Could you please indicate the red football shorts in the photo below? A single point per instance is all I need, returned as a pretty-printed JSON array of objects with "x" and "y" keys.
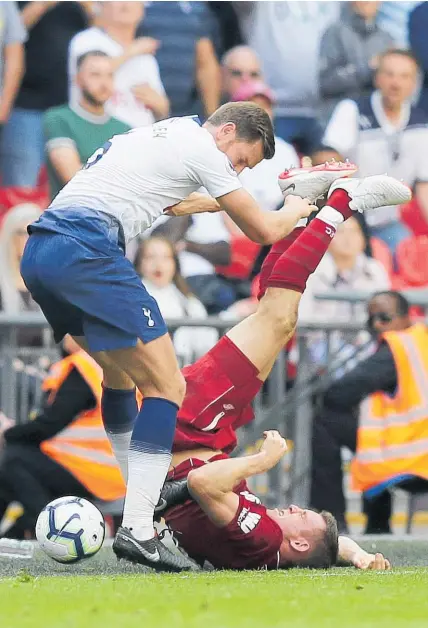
[{"x": 220, "y": 389}]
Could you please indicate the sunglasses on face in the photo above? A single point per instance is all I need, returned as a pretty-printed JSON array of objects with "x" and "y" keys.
[
  {"x": 382, "y": 317},
  {"x": 240, "y": 73}
]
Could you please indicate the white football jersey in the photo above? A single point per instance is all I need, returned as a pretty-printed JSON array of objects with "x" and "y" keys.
[{"x": 137, "y": 175}]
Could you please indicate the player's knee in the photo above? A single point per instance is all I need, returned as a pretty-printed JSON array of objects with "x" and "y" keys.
[
  {"x": 282, "y": 320},
  {"x": 173, "y": 388},
  {"x": 195, "y": 483}
]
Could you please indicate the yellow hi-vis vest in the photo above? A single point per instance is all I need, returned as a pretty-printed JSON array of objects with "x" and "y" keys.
[
  {"x": 392, "y": 437},
  {"x": 83, "y": 447}
]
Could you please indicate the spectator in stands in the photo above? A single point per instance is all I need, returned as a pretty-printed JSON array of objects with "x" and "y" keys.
[
  {"x": 239, "y": 66},
  {"x": 139, "y": 96},
  {"x": 157, "y": 264},
  {"x": 74, "y": 132},
  {"x": 203, "y": 242},
  {"x": 14, "y": 296},
  {"x": 186, "y": 56},
  {"x": 286, "y": 36},
  {"x": 385, "y": 133},
  {"x": 50, "y": 456},
  {"x": 344, "y": 268},
  {"x": 349, "y": 54},
  {"x": 418, "y": 25},
  {"x": 12, "y": 36},
  {"x": 51, "y": 25},
  {"x": 390, "y": 431},
  {"x": 393, "y": 17}
]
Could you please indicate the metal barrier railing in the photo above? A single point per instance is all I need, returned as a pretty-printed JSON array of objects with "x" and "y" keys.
[{"x": 23, "y": 368}]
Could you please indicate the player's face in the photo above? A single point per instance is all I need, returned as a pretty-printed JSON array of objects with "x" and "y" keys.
[
  {"x": 396, "y": 79},
  {"x": 241, "y": 68},
  {"x": 296, "y": 522},
  {"x": 241, "y": 154},
  {"x": 157, "y": 263},
  {"x": 95, "y": 79}
]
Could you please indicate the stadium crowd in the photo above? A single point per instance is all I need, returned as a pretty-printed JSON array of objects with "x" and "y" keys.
[{"x": 340, "y": 80}]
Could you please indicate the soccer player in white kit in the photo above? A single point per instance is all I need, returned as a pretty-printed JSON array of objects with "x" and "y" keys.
[{"x": 76, "y": 270}]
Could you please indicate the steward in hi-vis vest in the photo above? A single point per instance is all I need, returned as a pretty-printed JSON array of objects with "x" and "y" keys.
[
  {"x": 392, "y": 438},
  {"x": 82, "y": 447}
]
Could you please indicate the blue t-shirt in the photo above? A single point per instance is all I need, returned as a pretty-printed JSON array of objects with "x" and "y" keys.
[{"x": 178, "y": 26}]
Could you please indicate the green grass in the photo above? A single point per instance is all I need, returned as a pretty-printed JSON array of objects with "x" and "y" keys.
[{"x": 299, "y": 599}]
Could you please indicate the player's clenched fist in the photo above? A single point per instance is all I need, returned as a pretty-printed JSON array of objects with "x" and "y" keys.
[{"x": 274, "y": 446}]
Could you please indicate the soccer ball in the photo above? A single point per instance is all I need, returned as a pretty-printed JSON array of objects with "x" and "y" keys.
[{"x": 69, "y": 529}]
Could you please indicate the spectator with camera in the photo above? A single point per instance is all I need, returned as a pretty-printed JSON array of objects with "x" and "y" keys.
[
  {"x": 74, "y": 132},
  {"x": 139, "y": 97}
]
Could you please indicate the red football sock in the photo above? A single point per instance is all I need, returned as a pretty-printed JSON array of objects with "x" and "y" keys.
[
  {"x": 294, "y": 266},
  {"x": 299, "y": 260},
  {"x": 273, "y": 256}
]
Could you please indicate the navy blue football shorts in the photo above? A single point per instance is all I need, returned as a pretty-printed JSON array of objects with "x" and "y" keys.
[{"x": 75, "y": 268}]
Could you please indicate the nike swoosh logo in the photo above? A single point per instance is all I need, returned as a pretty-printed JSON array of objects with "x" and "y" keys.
[
  {"x": 214, "y": 422},
  {"x": 153, "y": 556},
  {"x": 291, "y": 187}
]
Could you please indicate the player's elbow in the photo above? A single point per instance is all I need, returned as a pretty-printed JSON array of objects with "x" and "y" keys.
[
  {"x": 198, "y": 483},
  {"x": 264, "y": 236}
]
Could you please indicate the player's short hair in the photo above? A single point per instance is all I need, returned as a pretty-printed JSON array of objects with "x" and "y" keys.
[
  {"x": 398, "y": 52},
  {"x": 251, "y": 121},
  {"x": 91, "y": 53},
  {"x": 401, "y": 303},
  {"x": 325, "y": 552}
]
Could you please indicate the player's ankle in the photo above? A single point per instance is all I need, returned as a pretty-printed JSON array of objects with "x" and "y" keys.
[{"x": 337, "y": 210}]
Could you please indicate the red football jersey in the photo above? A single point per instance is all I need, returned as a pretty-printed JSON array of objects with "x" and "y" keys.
[{"x": 251, "y": 541}]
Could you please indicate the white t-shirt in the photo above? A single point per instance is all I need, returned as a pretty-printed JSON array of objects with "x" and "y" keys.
[
  {"x": 138, "y": 174},
  {"x": 262, "y": 180},
  {"x": 205, "y": 229},
  {"x": 135, "y": 71}
]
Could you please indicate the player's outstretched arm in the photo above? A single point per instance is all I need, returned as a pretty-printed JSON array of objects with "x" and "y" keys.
[
  {"x": 212, "y": 485},
  {"x": 350, "y": 552},
  {"x": 262, "y": 226},
  {"x": 195, "y": 203}
]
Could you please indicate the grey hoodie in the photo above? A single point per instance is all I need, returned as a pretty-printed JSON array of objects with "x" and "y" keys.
[{"x": 347, "y": 47}]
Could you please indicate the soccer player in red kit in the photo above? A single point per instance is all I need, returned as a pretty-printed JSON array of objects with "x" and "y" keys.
[{"x": 223, "y": 522}]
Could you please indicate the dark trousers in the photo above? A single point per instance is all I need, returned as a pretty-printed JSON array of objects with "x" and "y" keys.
[
  {"x": 30, "y": 477},
  {"x": 331, "y": 431}
]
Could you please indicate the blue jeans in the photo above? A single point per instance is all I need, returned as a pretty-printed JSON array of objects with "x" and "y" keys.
[
  {"x": 22, "y": 148},
  {"x": 391, "y": 233},
  {"x": 304, "y": 132}
]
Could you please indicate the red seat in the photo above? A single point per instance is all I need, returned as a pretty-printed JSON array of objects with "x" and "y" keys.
[
  {"x": 243, "y": 256},
  {"x": 382, "y": 253},
  {"x": 10, "y": 197},
  {"x": 412, "y": 216},
  {"x": 412, "y": 261}
]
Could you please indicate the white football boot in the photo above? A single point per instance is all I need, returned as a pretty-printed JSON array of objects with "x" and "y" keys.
[
  {"x": 313, "y": 182},
  {"x": 379, "y": 190}
]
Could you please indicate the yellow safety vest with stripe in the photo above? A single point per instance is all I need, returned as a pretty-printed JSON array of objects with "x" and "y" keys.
[
  {"x": 392, "y": 437},
  {"x": 83, "y": 447}
]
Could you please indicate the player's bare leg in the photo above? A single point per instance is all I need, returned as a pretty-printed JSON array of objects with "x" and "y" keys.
[{"x": 154, "y": 369}]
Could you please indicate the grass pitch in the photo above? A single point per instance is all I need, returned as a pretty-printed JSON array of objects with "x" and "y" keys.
[
  {"x": 101, "y": 593},
  {"x": 219, "y": 600}
]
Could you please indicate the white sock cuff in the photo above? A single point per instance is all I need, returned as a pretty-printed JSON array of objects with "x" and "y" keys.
[{"x": 331, "y": 216}]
